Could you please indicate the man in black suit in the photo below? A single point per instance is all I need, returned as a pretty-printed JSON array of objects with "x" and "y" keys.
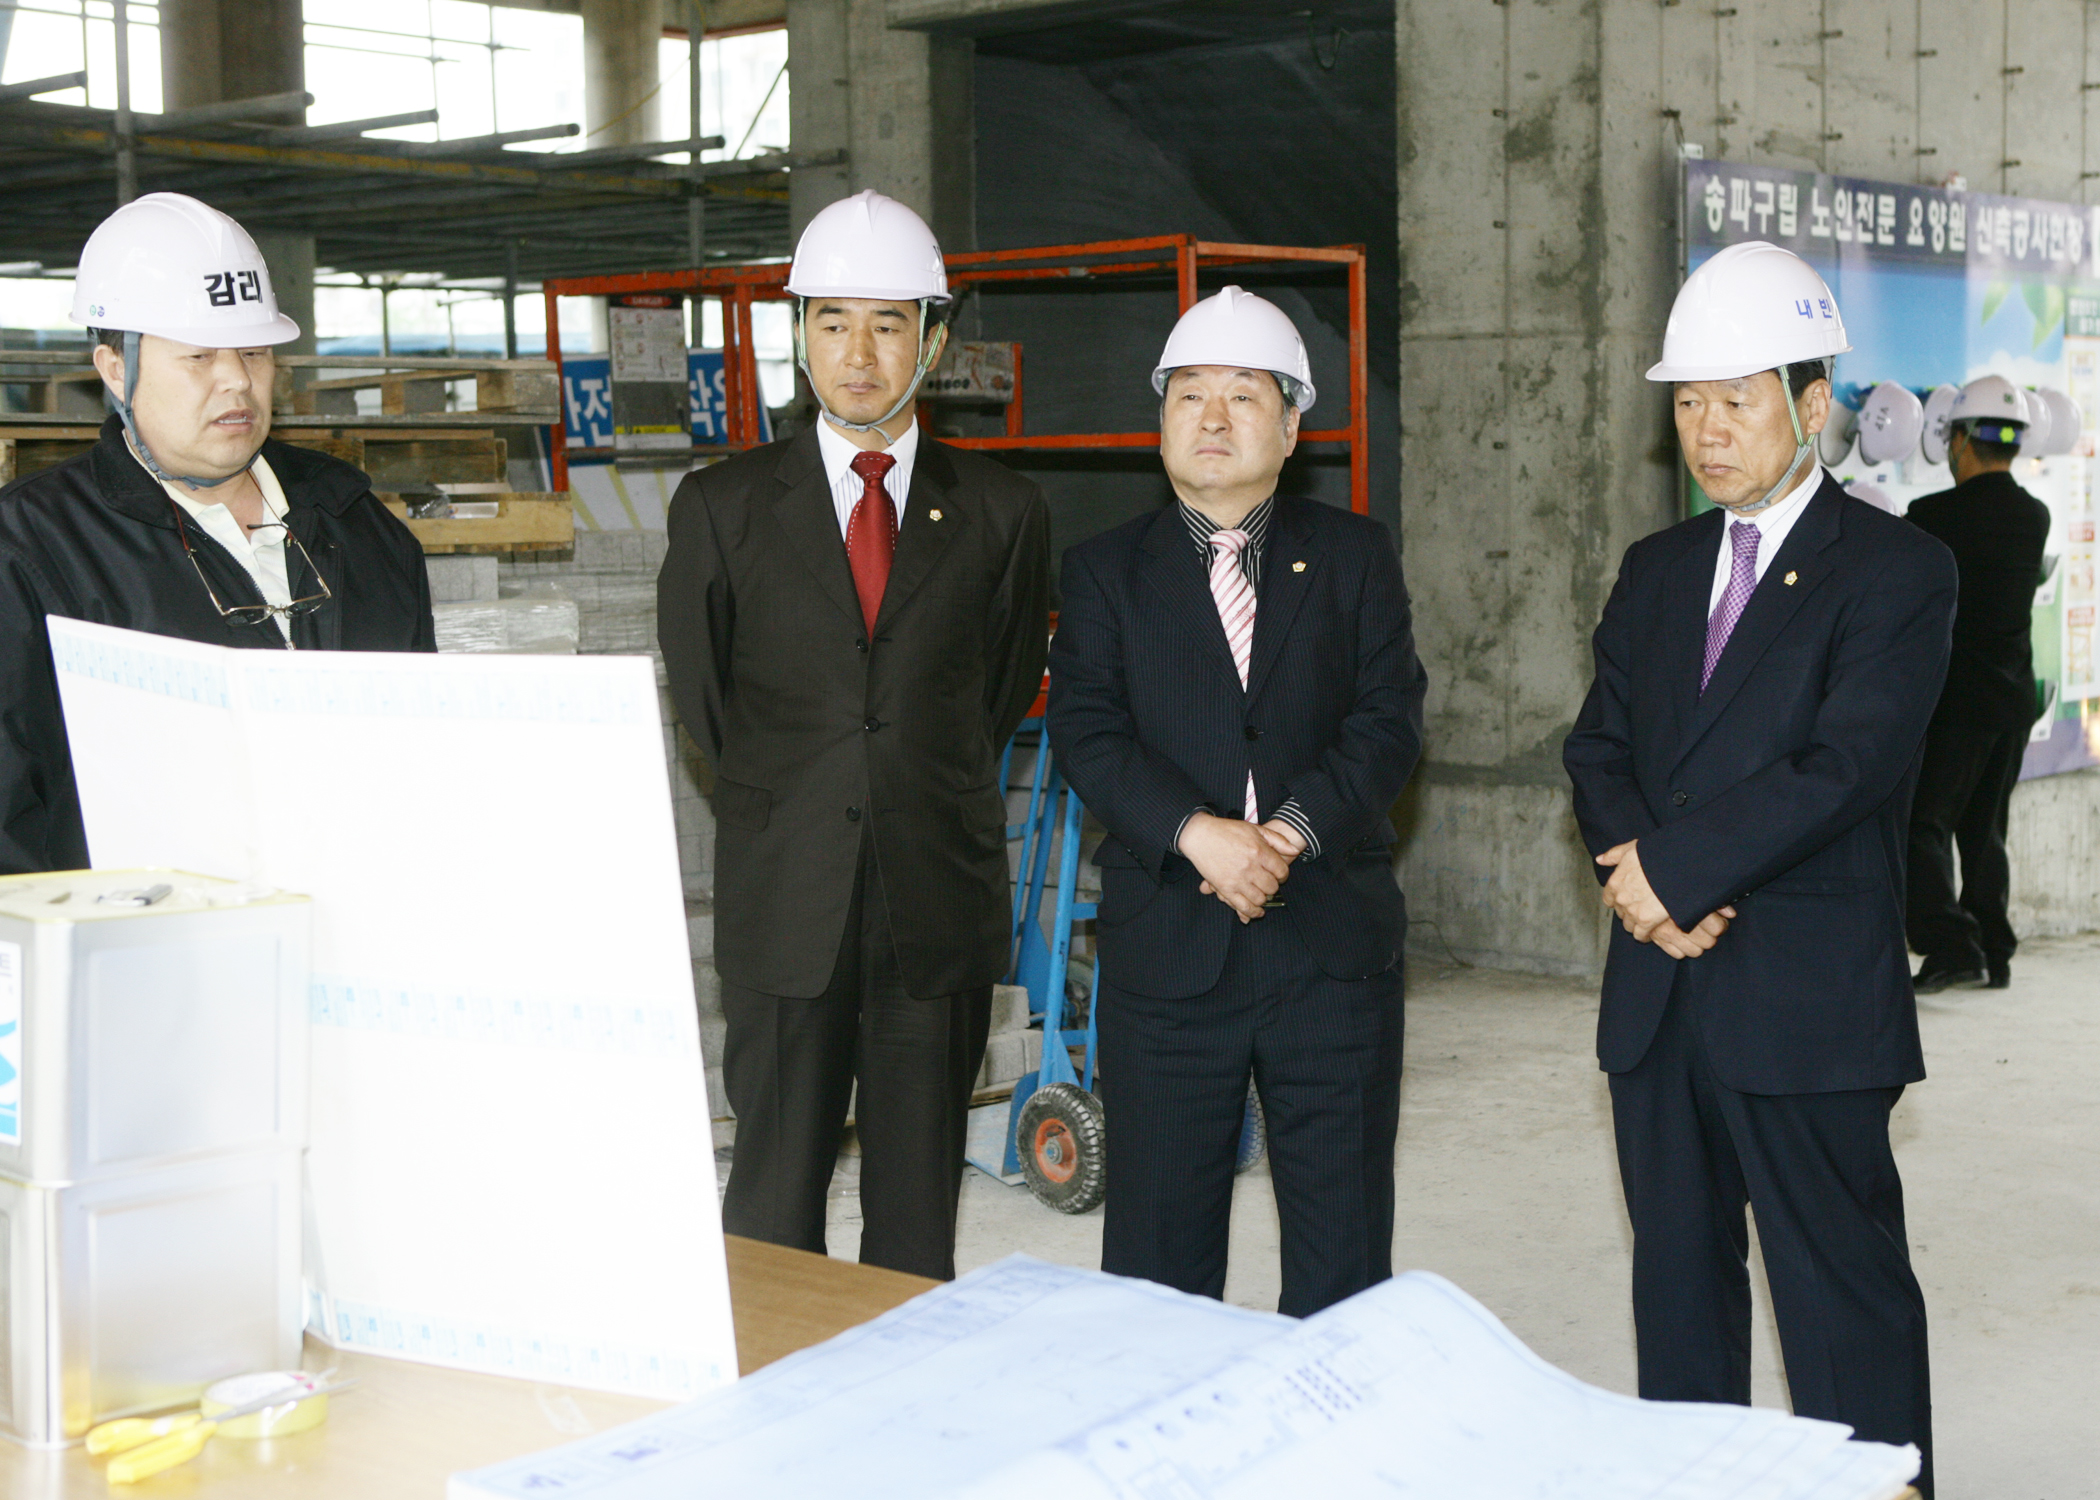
[
  {"x": 854, "y": 622},
  {"x": 1973, "y": 748},
  {"x": 1743, "y": 770},
  {"x": 1234, "y": 693}
]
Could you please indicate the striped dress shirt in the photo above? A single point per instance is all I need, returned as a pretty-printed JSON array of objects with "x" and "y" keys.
[{"x": 1256, "y": 524}]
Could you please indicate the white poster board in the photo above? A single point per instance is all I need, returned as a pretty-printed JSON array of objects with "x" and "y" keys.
[{"x": 512, "y": 1168}]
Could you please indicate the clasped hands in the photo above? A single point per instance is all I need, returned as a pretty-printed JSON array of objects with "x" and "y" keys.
[
  {"x": 1642, "y": 913},
  {"x": 1243, "y": 864}
]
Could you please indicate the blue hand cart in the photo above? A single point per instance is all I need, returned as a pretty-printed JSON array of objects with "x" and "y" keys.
[{"x": 1056, "y": 1135}]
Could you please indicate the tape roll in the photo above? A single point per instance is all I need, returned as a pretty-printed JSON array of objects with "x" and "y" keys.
[{"x": 272, "y": 1421}]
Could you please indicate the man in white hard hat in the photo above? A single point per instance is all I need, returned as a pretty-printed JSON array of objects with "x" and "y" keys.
[
  {"x": 854, "y": 621},
  {"x": 1997, "y": 532},
  {"x": 185, "y": 519},
  {"x": 1743, "y": 771},
  {"x": 1234, "y": 693}
]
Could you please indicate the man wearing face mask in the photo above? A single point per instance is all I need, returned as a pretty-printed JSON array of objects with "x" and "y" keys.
[
  {"x": 854, "y": 622},
  {"x": 1743, "y": 770},
  {"x": 185, "y": 519},
  {"x": 1234, "y": 693}
]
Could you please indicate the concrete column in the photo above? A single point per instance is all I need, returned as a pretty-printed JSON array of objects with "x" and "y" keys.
[
  {"x": 899, "y": 103},
  {"x": 212, "y": 50},
  {"x": 620, "y": 92}
]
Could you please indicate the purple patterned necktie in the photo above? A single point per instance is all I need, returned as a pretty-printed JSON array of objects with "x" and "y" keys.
[{"x": 1742, "y": 581}]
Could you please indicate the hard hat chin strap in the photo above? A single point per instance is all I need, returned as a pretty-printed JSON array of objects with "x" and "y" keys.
[
  {"x": 1802, "y": 448},
  {"x": 929, "y": 355},
  {"x": 138, "y": 441}
]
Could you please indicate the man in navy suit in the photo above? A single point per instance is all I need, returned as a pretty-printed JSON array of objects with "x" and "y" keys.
[
  {"x": 1743, "y": 771},
  {"x": 1234, "y": 693}
]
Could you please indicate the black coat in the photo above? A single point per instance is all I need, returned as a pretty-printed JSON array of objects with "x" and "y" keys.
[
  {"x": 1149, "y": 721},
  {"x": 1784, "y": 789},
  {"x": 95, "y": 539},
  {"x": 1997, "y": 532},
  {"x": 817, "y": 735}
]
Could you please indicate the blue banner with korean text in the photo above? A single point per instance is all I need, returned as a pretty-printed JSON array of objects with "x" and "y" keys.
[{"x": 1939, "y": 285}]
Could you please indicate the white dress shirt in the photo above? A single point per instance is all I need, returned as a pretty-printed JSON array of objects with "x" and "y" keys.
[
  {"x": 262, "y": 551},
  {"x": 846, "y": 486},
  {"x": 1775, "y": 521}
]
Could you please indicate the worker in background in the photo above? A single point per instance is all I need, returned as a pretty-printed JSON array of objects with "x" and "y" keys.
[
  {"x": 1234, "y": 693},
  {"x": 1996, "y": 531},
  {"x": 854, "y": 621},
  {"x": 184, "y": 519},
  {"x": 1743, "y": 770}
]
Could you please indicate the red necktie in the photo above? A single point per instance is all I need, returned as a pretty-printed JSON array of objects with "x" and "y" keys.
[{"x": 871, "y": 534}]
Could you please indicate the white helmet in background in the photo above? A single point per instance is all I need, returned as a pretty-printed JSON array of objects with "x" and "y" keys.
[
  {"x": 875, "y": 249},
  {"x": 1991, "y": 408},
  {"x": 1244, "y": 331},
  {"x": 872, "y": 247},
  {"x": 2065, "y": 421},
  {"x": 1891, "y": 420},
  {"x": 170, "y": 266},
  {"x": 1752, "y": 307}
]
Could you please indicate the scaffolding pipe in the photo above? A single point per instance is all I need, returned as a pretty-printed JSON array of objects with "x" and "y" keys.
[{"x": 127, "y": 158}]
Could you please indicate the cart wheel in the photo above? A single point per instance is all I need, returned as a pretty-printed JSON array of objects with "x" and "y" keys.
[
  {"x": 1254, "y": 1132},
  {"x": 1061, "y": 1139}
]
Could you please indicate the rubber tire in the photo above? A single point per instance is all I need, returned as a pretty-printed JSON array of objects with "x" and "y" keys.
[
  {"x": 1067, "y": 1117},
  {"x": 1254, "y": 1132}
]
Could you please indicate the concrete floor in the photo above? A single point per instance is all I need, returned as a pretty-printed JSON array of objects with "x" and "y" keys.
[{"x": 1507, "y": 1185}]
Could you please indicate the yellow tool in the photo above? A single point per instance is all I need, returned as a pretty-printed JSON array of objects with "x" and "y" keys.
[{"x": 146, "y": 1445}]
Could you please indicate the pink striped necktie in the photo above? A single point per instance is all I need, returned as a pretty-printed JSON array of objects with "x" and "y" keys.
[
  {"x": 1744, "y": 537},
  {"x": 1235, "y": 600}
]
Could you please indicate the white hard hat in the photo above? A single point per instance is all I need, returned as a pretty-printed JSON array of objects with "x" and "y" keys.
[
  {"x": 1752, "y": 307},
  {"x": 2065, "y": 420},
  {"x": 168, "y": 265},
  {"x": 1891, "y": 420},
  {"x": 1932, "y": 442},
  {"x": 1993, "y": 408},
  {"x": 1835, "y": 440},
  {"x": 1873, "y": 494},
  {"x": 869, "y": 246},
  {"x": 1247, "y": 332}
]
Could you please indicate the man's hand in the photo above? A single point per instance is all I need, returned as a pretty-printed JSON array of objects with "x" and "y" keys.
[
  {"x": 1678, "y": 943},
  {"x": 1642, "y": 913},
  {"x": 1237, "y": 862},
  {"x": 1628, "y": 893},
  {"x": 1283, "y": 838}
]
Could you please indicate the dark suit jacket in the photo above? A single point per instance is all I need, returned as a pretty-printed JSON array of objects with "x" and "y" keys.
[
  {"x": 1148, "y": 721},
  {"x": 812, "y": 729},
  {"x": 95, "y": 539},
  {"x": 1997, "y": 532},
  {"x": 1784, "y": 789}
]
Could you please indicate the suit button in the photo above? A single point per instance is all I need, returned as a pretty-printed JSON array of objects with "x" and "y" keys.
[
  {"x": 1253, "y": 733},
  {"x": 1680, "y": 798},
  {"x": 852, "y": 815},
  {"x": 863, "y": 647},
  {"x": 871, "y": 725}
]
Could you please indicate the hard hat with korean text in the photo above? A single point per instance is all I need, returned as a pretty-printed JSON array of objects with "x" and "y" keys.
[
  {"x": 1242, "y": 330},
  {"x": 872, "y": 247},
  {"x": 1752, "y": 307},
  {"x": 168, "y": 265}
]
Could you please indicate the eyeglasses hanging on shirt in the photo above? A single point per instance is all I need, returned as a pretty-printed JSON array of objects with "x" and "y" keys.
[{"x": 255, "y": 614}]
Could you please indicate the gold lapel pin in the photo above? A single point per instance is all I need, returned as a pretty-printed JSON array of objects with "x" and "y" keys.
[
  {"x": 1789, "y": 577},
  {"x": 1297, "y": 567},
  {"x": 934, "y": 515}
]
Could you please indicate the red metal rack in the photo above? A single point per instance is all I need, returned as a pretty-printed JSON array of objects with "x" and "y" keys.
[{"x": 741, "y": 286}]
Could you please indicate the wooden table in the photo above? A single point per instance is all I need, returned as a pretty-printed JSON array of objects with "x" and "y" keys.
[{"x": 406, "y": 1427}]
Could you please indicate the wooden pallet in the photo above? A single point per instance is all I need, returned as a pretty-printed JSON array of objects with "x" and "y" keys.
[{"x": 524, "y": 522}]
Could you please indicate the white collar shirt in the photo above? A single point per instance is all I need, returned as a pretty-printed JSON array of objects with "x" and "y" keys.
[
  {"x": 1774, "y": 521},
  {"x": 261, "y": 552},
  {"x": 846, "y": 486}
]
